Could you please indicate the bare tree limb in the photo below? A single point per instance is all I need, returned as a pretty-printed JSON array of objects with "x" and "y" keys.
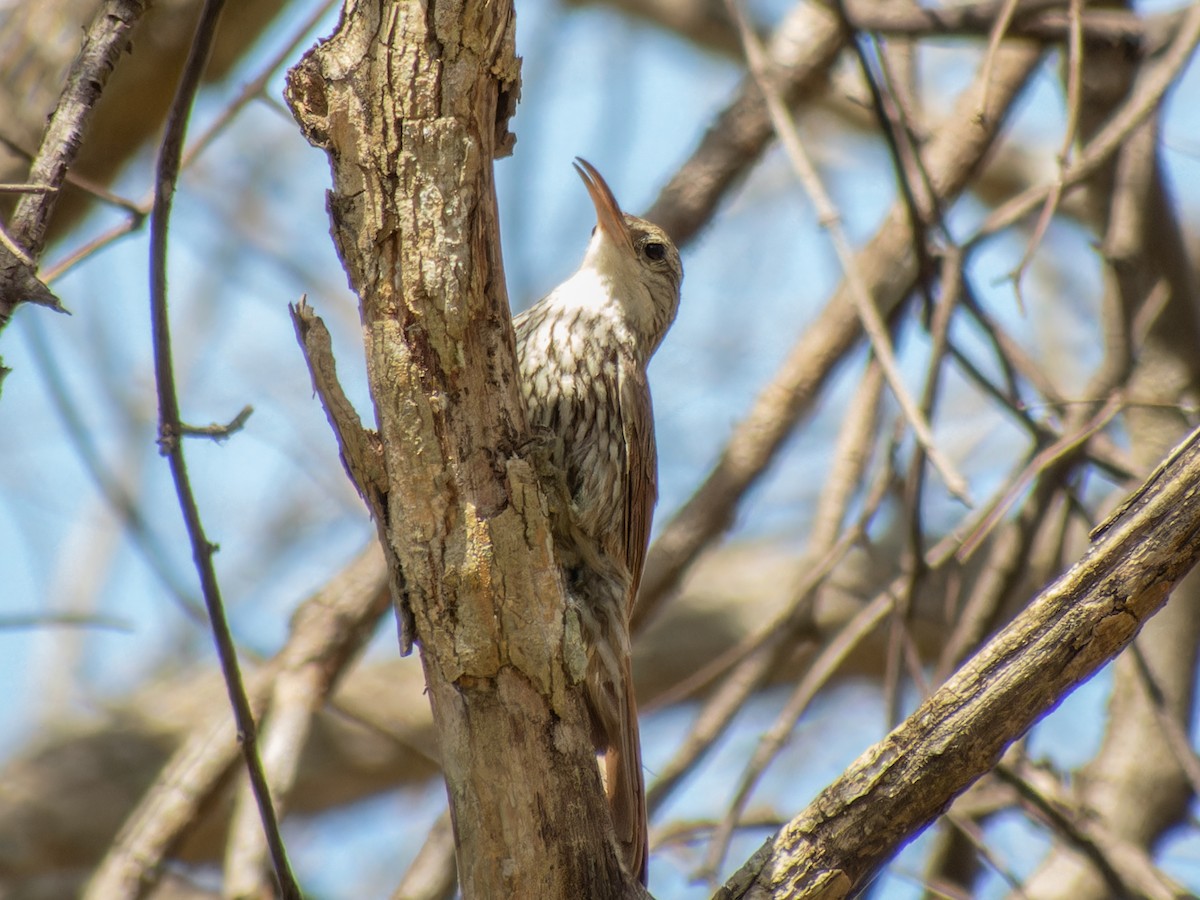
[
  {"x": 102, "y": 47},
  {"x": 1076, "y": 625},
  {"x": 1037, "y": 20}
]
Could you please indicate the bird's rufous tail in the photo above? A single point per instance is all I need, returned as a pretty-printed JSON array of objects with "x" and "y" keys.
[{"x": 624, "y": 783}]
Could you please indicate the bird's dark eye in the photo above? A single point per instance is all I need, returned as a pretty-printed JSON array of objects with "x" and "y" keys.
[{"x": 655, "y": 251}]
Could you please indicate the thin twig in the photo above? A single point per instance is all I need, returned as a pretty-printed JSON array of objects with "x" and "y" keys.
[
  {"x": 256, "y": 85},
  {"x": 74, "y": 179},
  {"x": 1015, "y": 361},
  {"x": 823, "y": 668},
  {"x": 1066, "y": 446},
  {"x": 756, "y": 658},
  {"x": 872, "y": 320},
  {"x": 1173, "y": 732},
  {"x": 305, "y": 679},
  {"x": 216, "y": 431},
  {"x": 170, "y": 432},
  {"x": 1147, "y": 93},
  {"x": 1041, "y": 20},
  {"x": 1126, "y": 868},
  {"x": 896, "y": 126},
  {"x": 139, "y": 211},
  {"x": 969, "y": 828},
  {"x": 803, "y": 49},
  {"x": 850, "y": 458},
  {"x": 901, "y": 645},
  {"x": 1000, "y": 24},
  {"x": 951, "y": 155},
  {"x": 1008, "y": 561},
  {"x": 131, "y": 224},
  {"x": 1074, "y": 102},
  {"x": 27, "y": 188}
]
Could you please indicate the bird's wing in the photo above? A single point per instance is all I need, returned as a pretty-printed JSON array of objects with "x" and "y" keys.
[{"x": 641, "y": 474}]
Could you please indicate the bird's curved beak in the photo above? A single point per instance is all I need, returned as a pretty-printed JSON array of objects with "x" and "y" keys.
[{"x": 608, "y": 213}]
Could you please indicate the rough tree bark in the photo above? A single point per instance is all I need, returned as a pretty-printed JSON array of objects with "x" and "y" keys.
[{"x": 411, "y": 101}]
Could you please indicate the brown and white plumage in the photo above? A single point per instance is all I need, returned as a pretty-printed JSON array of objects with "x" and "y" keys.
[{"x": 583, "y": 352}]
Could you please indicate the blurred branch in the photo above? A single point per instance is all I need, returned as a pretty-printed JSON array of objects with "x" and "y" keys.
[
  {"x": 433, "y": 874},
  {"x": 705, "y": 23},
  {"x": 1152, "y": 83},
  {"x": 327, "y": 632},
  {"x": 1039, "y": 20},
  {"x": 1074, "y": 68},
  {"x": 851, "y": 456},
  {"x": 889, "y": 269},
  {"x": 308, "y": 669},
  {"x": 256, "y": 87},
  {"x": 858, "y": 292},
  {"x": 139, "y": 90},
  {"x": 138, "y": 212},
  {"x": 1128, "y": 870},
  {"x": 1133, "y": 789},
  {"x": 11, "y": 621},
  {"x": 1173, "y": 731},
  {"x": 173, "y": 804},
  {"x": 760, "y": 655},
  {"x": 118, "y": 497},
  {"x": 702, "y": 23},
  {"x": 833, "y": 655},
  {"x": 1078, "y": 431},
  {"x": 801, "y": 53}
]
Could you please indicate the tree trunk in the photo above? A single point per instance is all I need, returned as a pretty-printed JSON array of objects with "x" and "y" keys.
[{"x": 411, "y": 101}]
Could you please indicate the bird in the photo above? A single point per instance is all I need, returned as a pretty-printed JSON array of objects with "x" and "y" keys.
[{"x": 582, "y": 352}]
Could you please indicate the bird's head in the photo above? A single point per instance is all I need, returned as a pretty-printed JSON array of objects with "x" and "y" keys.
[{"x": 637, "y": 261}]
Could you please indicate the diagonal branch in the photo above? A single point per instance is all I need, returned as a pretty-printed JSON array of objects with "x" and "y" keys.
[
  {"x": 1075, "y": 626},
  {"x": 360, "y": 449},
  {"x": 106, "y": 40}
]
